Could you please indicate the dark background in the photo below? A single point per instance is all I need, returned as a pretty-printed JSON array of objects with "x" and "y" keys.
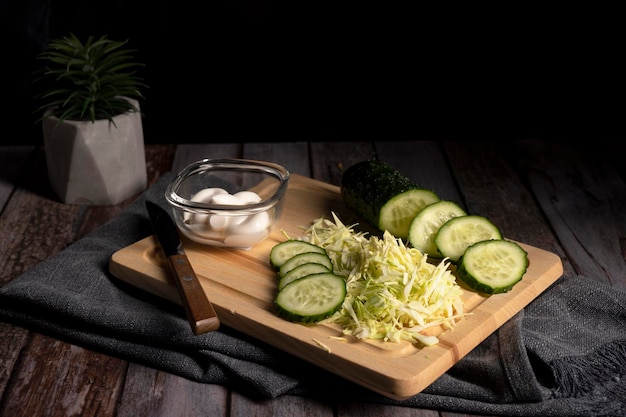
[{"x": 271, "y": 71}]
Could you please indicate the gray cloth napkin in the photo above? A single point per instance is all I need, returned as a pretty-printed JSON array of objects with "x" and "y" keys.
[{"x": 563, "y": 355}]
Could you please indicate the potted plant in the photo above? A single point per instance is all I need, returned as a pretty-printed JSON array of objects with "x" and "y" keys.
[{"x": 91, "y": 120}]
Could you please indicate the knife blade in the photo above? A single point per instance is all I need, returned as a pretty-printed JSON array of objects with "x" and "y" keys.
[{"x": 198, "y": 309}]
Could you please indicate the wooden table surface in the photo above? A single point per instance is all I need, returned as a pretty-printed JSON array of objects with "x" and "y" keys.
[{"x": 566, "y": 199}]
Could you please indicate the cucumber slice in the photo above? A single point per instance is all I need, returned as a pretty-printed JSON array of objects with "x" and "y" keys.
[
  {"x": 493, "y": 266},
  {"x": 458, "y": 233},
  {"x": 383, "y": 197},
  {"x": 305, "y": 258},
  {"x": 312, "y": 298},
  {"x": 286, "y": 250},
  {"x": 426, "y": 224},
  {"x": 397, "y": 214},
  {"x": 301, "y": 271}
]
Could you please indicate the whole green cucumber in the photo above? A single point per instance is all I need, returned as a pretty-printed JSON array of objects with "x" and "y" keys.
[{"x": 384, "y": 197}]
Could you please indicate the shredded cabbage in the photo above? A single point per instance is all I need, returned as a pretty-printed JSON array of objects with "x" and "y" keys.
[{"x": 393, "y": 294}]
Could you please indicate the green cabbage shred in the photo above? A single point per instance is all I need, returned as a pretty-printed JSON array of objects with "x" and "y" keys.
[{"x": 394, "y": 293}]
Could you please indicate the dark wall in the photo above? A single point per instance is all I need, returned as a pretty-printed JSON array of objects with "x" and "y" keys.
[
  {"x": 23, "y": 34},
  {"x": 245, "y": 69},
  {"x": 263, "y": 70},
  {"x": 255, "y": 69}
]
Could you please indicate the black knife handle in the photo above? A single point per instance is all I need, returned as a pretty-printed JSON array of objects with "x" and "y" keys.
[{"x": 199, "y": 310}]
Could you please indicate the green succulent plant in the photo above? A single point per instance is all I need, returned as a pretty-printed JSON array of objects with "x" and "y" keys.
[{"x": 88, "y": 81}]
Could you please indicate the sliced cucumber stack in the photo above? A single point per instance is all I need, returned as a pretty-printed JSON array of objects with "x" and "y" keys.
[
  {"x": 308, "y": 290},
  {"x": 493, "y": 266},
  {"x": 286, "y": 250},
  {"x": 459, "y": 233},
  {"x": 311, "y": 298},
  {"x": 384, "y": 197},
  {"x": 426, "y": 224}
]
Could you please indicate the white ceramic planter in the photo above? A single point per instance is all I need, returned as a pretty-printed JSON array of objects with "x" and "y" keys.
[{"x": 96, "y": 163}]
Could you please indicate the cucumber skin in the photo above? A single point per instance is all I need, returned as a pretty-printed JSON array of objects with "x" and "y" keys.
[
  {"x": 295, "y": 273},
  {"x": 368, "y": 185},
  {"x": 303, "y": 258}
]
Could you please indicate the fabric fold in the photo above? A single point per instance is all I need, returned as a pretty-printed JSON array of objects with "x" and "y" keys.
[{"x": 563, "y": 355}]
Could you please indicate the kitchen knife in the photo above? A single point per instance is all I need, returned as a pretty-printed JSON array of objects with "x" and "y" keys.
[{"x": 198, "y": 308}]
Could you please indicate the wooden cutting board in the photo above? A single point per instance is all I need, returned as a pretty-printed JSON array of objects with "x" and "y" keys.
[{"x": 242, "y": 287}]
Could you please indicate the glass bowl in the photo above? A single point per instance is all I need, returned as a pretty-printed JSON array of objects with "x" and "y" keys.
[{"x": 228, "y": 202}]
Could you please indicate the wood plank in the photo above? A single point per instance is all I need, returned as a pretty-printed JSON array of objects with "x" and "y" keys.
[
  {"x": 285, "y": 405},
  {"x": 12, "y": 341},
  {"x": 355, "y": 409},
  {"x": 12, "y": 164},
  {"x": 56, "y": 378},
  {"x": 294, "y": 156},
  {"x": 584, "y": 199},
  {"x": 150, "y": 393},
  {"x": 186, "y": 153}
]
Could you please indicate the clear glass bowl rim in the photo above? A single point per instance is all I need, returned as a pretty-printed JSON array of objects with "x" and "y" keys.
[{"x": 250, "y": 165}]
